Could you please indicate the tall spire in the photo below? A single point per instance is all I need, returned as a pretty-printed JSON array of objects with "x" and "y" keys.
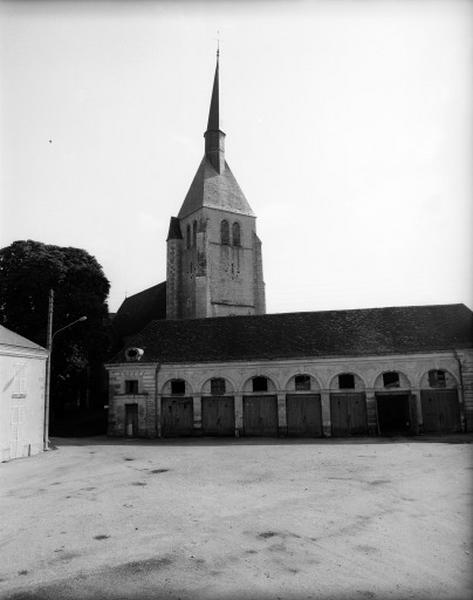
[
  {"x": 214, "y": 137},
  {"x": 213, "y": 122}
]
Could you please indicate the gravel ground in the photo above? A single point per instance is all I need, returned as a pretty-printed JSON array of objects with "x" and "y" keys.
[{"x": 204, "y": 519}]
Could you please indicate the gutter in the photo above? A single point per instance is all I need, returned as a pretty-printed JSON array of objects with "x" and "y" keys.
[
  {"x": 156, "y": 400},
  {"x": 462, "y": 409}
]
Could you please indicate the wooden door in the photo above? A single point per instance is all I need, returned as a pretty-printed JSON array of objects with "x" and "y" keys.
[
  {"x": 348, "y": 414},
  {"x": 358, "y": 415},
  {"x": 394, "y": 414},
  {"x": 177, "y": 417},
  {"x": 304, "y": 415},
  {"x": 260, "y": 415},
  {"x": 218, "y": 415},
  {"x": 440, "y": 411},
  {"x": 131, "y": 420}
]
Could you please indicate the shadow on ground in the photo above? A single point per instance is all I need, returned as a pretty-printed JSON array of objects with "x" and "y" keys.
[{"x": 454, "y": 438}]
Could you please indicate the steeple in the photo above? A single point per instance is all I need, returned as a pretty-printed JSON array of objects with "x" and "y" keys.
[
  {"x": 214, "y": 137},
  {"x": 214, "y": 263}
]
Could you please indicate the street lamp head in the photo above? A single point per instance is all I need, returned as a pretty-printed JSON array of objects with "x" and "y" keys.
[{"x": 84, "y": 318}]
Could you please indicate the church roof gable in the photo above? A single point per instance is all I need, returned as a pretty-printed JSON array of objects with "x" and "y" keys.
[{"x": 378, "y": 331}]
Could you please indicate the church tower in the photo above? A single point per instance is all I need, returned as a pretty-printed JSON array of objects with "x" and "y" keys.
[{"x": 214, "y": 263}]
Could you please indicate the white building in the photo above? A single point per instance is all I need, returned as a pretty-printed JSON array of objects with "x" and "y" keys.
[{"x": 22, "y": 388}]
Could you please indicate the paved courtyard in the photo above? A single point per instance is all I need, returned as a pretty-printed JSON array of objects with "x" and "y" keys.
[{"x": 354, "y": 519}]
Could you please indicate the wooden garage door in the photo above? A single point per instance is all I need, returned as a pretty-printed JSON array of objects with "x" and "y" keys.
[
  {"x": 260, "y": 415},
  {"x": 304, "y": 415},
  {"x": 177, "y": 416},
  {"x": 348, "y": 414},
  {"x": 440, "y": 411},
  {"x": 218, "y": 415}
]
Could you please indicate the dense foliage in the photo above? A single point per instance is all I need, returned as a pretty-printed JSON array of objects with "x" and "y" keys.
[{"x": 28, "y": 270}]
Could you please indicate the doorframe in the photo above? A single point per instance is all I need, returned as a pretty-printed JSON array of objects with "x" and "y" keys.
[{"x": 411, "y": 403}]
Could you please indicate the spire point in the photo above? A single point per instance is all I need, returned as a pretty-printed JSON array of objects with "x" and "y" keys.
[{"x": 214, "y": 137}]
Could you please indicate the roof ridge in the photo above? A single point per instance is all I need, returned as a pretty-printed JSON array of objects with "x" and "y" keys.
[{"x": 314, "y": 312}]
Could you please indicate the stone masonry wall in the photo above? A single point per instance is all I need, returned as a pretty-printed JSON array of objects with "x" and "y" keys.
[
  {"x": 465, "y": 359},
  {"x": 219, "y": 279},
  {"x": 145, "y": 398}
]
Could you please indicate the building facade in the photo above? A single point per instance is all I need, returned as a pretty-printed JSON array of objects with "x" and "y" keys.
[{"x": 22, "y": 381}]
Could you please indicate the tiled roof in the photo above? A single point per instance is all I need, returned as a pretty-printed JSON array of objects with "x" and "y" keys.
[
  {"x": 214, "y": 190},
  {"x": 376, "y": 331},
  {"x": 138, "y": 310},
  {"x": 10, "y": 338}
]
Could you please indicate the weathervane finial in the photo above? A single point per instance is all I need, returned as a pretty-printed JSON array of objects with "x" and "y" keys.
[{"x": 218, "y": 43}]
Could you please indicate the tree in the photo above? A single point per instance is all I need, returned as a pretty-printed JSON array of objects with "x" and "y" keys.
[{"x": 28, "y": 270}]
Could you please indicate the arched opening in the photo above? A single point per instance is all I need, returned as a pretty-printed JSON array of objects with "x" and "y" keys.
[
  {"x": 178, "y": 387},
  {"x": 236, "y": 234},
  {"x": 302, "y": 383},
  {"x": 260, "y": 384},
  {"x": 217, "y": 386},
  {"x": 188, "y": 236},
  {"x": 224, "y": 233}
]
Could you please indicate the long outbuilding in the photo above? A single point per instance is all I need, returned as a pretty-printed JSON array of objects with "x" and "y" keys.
[{"x": 395, "y": 370}]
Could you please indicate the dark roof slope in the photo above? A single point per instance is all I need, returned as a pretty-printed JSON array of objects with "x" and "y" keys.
[
  {"x": 373, "y": 331},
  {"x": 174, "y": 232},
  {"x": 138, "y": 310}
]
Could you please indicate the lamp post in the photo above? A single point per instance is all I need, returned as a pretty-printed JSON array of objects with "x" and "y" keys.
[{"x": 49, "y": 347}]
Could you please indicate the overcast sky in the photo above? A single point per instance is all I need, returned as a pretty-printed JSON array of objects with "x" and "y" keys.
[{"x": 349, "y": 129}]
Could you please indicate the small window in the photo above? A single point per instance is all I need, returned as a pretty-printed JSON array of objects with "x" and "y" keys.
[
  {"x": 217, "y": 386},
  {"x": 194, "y": 234},
  {"x": 391, "y": 379},
  {"x": 236, "y": 234},
  {"x": 260, "y": 384},
  {"x": 302, "y": 382},
  {"x": 188, "y": 236},
  {"x": 178, "y": 386},
  {"x": 224, "y": 233},
  {"x": 346, "y": 381},
  {"x": 437, "y": 378},
  {"x": 131, "y": 386}
]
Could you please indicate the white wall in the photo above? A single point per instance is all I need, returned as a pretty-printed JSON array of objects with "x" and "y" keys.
[{"x": 22, "y": 381}]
